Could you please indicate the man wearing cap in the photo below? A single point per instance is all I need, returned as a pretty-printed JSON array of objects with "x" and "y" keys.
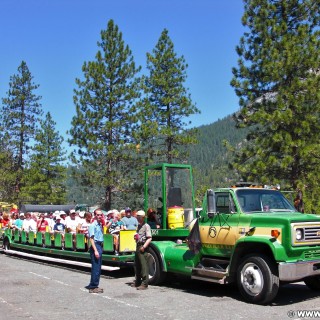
[
  {"x": 59, "y": 227},
  {"x": 143, "y": 238},
  {"x": 96, "y": 241},
  {"x": 63, "y": 216},
  {"x": 129, "y": 222}
]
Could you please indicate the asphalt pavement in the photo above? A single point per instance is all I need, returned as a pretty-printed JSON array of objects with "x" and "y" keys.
[{"x": 36, "y": 290}]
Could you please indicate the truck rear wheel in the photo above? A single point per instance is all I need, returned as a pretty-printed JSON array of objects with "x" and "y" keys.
[
  {"x": 258, "y": 279},
  {"x": 313, "y": 283},
  {"x": 156, "y": 275}
]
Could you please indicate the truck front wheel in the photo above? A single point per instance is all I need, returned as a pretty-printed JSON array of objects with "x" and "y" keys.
[
  {"x": 258, "y": 279},
  {"x": 313, "y": 283},
  {"x": 156, "y": 275}
]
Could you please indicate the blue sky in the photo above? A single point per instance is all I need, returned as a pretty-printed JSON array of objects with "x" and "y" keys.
[{"x": 55, "y": 37}]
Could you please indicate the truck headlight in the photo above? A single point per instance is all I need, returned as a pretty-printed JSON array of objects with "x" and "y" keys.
[{"x": 299, "y": 234}]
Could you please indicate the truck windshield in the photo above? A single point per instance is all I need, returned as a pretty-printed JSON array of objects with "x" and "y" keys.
[{"x": 263, "y": 200}]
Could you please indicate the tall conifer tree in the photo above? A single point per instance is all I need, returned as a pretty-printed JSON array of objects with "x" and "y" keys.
[
  {"x": 167, "y": 105},
  {"x": 278, "y": 82},
  {"x": 45, "y": 178},
  {"x": 7, "y": 172},
  {"x": 20, "y": 116},
  {"x": 105, "y": 115}
]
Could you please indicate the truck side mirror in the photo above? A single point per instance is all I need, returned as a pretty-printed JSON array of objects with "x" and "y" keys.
[{"x": 211, "y": 203}]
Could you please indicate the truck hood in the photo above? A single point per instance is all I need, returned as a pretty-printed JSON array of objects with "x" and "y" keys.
[{"x": 282, "y": 217}]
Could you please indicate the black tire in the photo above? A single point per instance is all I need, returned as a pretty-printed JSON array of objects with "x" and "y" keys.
[
  {"x": 313, "y": 283},
  {"x": 258, "y": 279},
  {"x": 6, "y": 244},
  {"x": 156, "y": 275}
]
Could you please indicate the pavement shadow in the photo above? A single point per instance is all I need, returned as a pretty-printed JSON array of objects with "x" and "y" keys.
[{"x": 288, "y": 294}]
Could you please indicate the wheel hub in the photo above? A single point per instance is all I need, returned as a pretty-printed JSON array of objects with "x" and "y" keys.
[{"x": 252, "y": 279}]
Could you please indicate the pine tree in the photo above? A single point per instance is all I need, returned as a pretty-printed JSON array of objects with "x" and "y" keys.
[
  {"x": 278, "y": 83},
  {"x": 106, "y": 116},
  {"x": 167, "y": 104},
  {"x": 20, "y": 115},
  {"x": 7, "y": 172},
  {"x": 45, "y": 178}
]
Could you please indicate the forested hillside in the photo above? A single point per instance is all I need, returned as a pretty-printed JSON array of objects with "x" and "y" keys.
[{"x": 210, "y": 157}]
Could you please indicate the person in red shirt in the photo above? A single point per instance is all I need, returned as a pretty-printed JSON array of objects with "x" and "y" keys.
[
  {"x": 5, "y": 220},
  {"x": 42, "y": 225}
]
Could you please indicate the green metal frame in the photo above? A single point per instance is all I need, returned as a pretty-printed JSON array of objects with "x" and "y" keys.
[
  {"x": 39, "y": 239},
  {"x": 68, "y": 241},
  {"x": 162, "y": 167},
  {"x": 47, "y": 239},
  {"x": 80, "y": 244},
  {"x": 58, "y": 240},
  {"x": 108, "y": 243},
  {"x": 23, "y": 237}
]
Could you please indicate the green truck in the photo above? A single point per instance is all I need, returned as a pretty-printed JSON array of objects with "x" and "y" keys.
[{"x": 247, "y": 235}]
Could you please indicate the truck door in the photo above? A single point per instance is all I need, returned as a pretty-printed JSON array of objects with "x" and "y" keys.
[{"x": 219, "y": 234}]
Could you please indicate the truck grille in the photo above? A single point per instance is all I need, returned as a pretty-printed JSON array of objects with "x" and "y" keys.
[
  {"x": 312, "y": 233},
  {"x": 312, "y": 254},
  {"x": 305, "y": 233}
]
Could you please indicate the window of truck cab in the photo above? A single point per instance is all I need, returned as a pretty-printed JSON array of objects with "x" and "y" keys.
[
  {"x": 224, "y": 203},
  {"x": 262, "y": 200}
]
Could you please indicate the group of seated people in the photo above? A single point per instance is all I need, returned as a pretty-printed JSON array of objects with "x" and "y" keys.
[
  {"x": 75, "y": 222},
  {"x": 126, "y": 220}
]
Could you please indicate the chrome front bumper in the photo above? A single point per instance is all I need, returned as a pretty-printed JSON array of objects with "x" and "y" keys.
[{"x": 293, "y": 271}]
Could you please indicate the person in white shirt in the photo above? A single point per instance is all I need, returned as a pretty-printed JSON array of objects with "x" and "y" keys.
[
  {"x": 71, "y": 226},
  {"x": 72, "y": 223},
  {"x": 51, "y": 223},
  {"x": 63, "y": 217},
  {"x": 29, "y": 223},
  {"x": 84, "y": 222}
]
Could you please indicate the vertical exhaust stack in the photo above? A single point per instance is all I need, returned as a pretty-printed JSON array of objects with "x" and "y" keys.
[{"x": 211, "y": 203}]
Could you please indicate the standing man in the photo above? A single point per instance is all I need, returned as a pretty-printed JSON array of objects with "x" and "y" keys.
[
  {"x": 143, "y": 239},
  {"x": 96, "y": 241}
]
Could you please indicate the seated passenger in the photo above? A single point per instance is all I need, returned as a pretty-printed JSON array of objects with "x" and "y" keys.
[
  {"x": 59, "y": 227},
  {"x": 109, "y": 217},
  {"x": 153, "y": 220},
  {"x": 83, "y": 226},
  {"x": 14, "y": 217},
  {"x": 42, "y": 226},
  {"x": 49, "y": 218},
  {"x": 134, "y": 213},
  {"x": 114, "y": 226},
  {"x": 72, "y": 223},
  {"x": 129, "y": 222},
  {"x": 5, "y": 220},
  {"x": 63, "y": 217},
  {"x": 122, "y": 213},
  {"x": 17, "y": 225},
  {"x": 29, "y": 223},
  {"x": 71, "y": 226}
]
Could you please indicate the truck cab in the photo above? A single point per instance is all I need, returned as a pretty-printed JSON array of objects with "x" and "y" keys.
[{"x": 248, "y": 235}]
